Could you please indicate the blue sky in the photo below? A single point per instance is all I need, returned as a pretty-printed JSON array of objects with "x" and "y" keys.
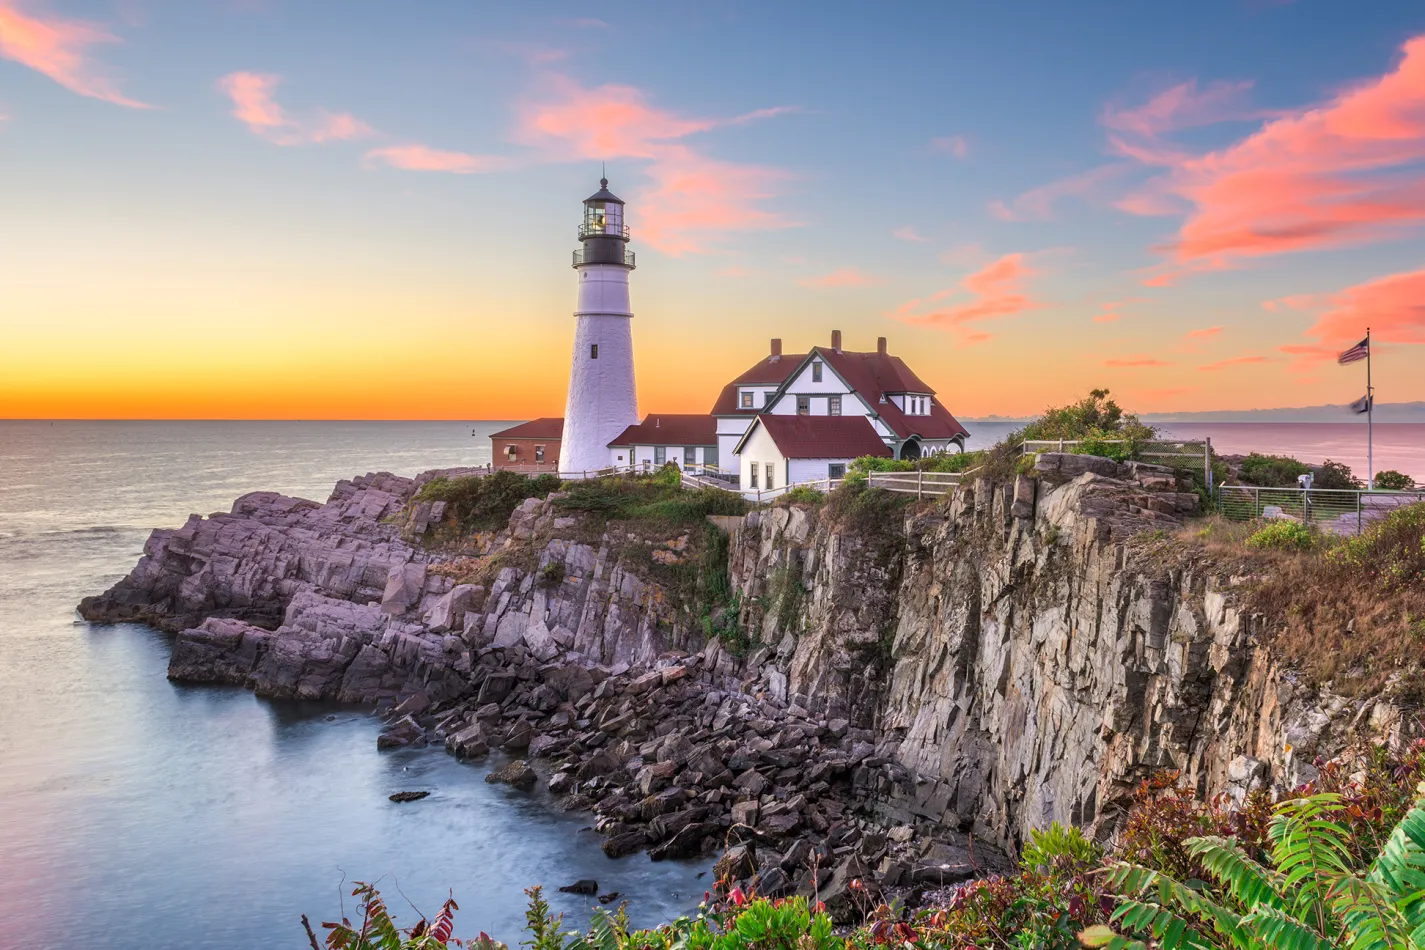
[{"x": 1029, "y": 199}]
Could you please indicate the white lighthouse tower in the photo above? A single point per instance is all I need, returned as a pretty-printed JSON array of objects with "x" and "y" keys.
[{"x": 602, "y": 402}]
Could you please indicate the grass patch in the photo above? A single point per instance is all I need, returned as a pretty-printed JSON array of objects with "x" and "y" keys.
[
  {"x": 485, "y": 502},
  {"x": 651, "y": 499}
]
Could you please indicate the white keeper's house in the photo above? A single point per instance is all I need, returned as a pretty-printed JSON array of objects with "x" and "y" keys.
[{"x": 897, "y": 406}]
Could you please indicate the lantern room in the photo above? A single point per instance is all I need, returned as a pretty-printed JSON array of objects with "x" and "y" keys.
[{"x": 603, "y": 215}]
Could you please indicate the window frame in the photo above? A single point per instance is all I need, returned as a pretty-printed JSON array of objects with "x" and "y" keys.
[
  {"x": 660, "y": 455},
  {"x": 836, "y": 470},
  {"x": 593, "y": 351},
  {"x": 803, "y": 405},
  {"x": 539, "y": 453},
  {"x": 752, "y": 475},
  {"x": 746, "y": 399},
  {"x": 511, "y": 453},
  {"x": 816, "y": 370},
  {"x": 690, "y": 456},
  {"x": 833, "y": 405}
]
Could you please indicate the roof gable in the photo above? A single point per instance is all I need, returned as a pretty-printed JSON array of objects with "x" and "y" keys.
[
  {"x": 819, "y": 437},
  {"x": 665, "y": 429},
  {"x": 546, "y": 428}
]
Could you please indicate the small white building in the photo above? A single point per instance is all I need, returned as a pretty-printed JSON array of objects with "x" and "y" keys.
[
  {"x": 782, "y": 450},
  {"x": 688, "y": 441},
  {"x": 829, "y": 382}
]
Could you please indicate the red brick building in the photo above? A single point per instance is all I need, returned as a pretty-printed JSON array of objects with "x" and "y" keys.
[{"x": 528, "y": 447}]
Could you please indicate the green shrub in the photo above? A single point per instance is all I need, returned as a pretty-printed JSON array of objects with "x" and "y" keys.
[
  {"x": 1056, "y": 845},
  {"x": 801, "y": 495},
  {"x": 1283, "y": 536},
  {"x": 1272, "y": 471},
  {"x": 1095, "y": 417},
  {"x": 656, "y": 499},
  {"x": 1334, "y": 475},
  {"x": 485, "y": 502},
  {"x": 1391, "y": 480}
]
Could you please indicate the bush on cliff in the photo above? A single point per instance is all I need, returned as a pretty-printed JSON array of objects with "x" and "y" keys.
[
  {"x": 1283, "y": 536},
  {"x": 485, "y": 502},
  {"x": 657, "y": 499},
  {"x": 1095, "y": 419},
  {"x": 1272, "y": 471}
]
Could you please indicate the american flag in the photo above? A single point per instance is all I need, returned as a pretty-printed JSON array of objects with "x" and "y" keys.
[{"x": 1356, "y": 353}]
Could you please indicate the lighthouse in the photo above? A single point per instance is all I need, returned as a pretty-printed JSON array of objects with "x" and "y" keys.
[{"x": 602, "y": 402}]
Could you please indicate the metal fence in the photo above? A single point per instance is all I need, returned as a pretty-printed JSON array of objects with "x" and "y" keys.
[{"x": 1342, "y": 511}]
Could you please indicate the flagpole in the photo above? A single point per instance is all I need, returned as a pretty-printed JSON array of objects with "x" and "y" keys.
[{"x": 1370, "y": 413}]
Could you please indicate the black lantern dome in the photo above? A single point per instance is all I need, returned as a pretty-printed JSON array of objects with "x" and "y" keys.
[{"x": 603, "y": 234}]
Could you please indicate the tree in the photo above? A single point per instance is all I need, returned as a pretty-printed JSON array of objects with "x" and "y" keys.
[{"x": 1391, "y": 480}]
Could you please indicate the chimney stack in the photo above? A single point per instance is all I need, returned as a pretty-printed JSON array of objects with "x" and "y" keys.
[
  {"x": 776, "y": 350},
  {"x": 881, "y": 345},
  {"x": 836, "y": 340}
]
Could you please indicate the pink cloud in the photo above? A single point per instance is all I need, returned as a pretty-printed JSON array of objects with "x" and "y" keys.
[
  {"x": 1204, "y": 333},
  {"x": 254, "y": 106},
  {"x": 57, "y": 48},
  {"x": 1038, "y": 203},
  {"x": 1339, "y": 173},
  {"x": 842, "y": 277},
  {"x": 1107, "y": 317},
  {"x": 1183, "y": 106},
  {"x": 1393, "y": 307},
  {"x": 1235, "y": 361},
  {"x": 951, "y": 145},
  {"x": 1135, "y": 362},
  {"x": 908, "y": 234},
  {"x": 694, "y": 198},
  {"x": 421, "y": 158},
  {"x": 996, "y": 291}
]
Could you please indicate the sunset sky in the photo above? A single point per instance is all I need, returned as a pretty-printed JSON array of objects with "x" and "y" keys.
[{"x": 349, "y": 209}]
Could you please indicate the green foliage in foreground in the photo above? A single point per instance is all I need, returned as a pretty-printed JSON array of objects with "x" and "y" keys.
[
  {"x": 1336, "y": 475},
  {"x": 485, "y": 502},
  {"x": 1095, "y": 419},
  {"x": 1312, "y": 895},
  {"x": 1283, "y": 536}
]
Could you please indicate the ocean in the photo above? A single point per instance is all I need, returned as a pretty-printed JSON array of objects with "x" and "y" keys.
[{"x": 136, "y": 813}]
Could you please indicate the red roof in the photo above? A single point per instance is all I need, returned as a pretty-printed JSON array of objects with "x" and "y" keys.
[
  {"x": 821, "y": 437},
  {"x": 670, "y": 430},
  {"x": 768, "y": 371},
  {"x": 876, "y": 374},
  {"x": 534, "y": 429}
]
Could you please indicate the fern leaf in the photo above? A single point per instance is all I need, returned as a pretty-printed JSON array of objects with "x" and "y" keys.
[
  {"x": 1167, "y": 928},
  {"x": 1248, "y": 881},
  {"x": 1276, "y": 929},
  {"x": 1372, "y": 920},
  {"x": 1400, "y": 866},
  {"x": 1105, "y": 937}
]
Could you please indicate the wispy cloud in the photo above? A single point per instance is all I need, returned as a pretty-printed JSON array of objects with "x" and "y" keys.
[
  {"x": 1337, "y": 173},
  {"x": 1135, "y": 362},
  {"x": 422, "y": 158},
  {"x": 909, "y": 234},
  {"x": 1234, "y": 361},
  {"x": 843, "y": 277},
  {"x": 995, "y": 291},
  {"x": 951, "y": 145},
  {"x": 694, "y": 197},
  {"x": 254, "y": 106},
  {"x": 59, "y": 48},
  {"x": 1203, "y": 333},
  {"x": 1393, "y": 307},
  {"x": 1038, "y": 203}
]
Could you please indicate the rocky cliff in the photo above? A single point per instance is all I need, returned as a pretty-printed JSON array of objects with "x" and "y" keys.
[{"x": 898, "y": 678}]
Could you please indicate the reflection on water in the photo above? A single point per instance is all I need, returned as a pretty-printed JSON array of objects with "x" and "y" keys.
[{"x": 138, "y": 813}]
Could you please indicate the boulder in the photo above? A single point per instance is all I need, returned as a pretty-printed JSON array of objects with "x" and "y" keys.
[
  {"x": 586, "y": 885},
  {"x": 516, "y": 774}
]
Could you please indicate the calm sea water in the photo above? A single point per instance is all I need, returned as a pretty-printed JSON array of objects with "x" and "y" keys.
[
  {"x": 136, "y": 814},
  {"x": 139, "y": 814}
]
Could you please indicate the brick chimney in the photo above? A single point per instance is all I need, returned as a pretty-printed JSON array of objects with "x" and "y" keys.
[
  {"x": 836, "y": 340},
  {"x": 881, "y": 345},
  {"x": 776, "y": 351}
]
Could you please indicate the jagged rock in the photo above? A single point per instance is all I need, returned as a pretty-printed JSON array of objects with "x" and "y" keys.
[
  {"x": 585, "y": 885},
  {"x": 736, "y": 864},
  {"x": 626, "y": 843},
  {"x": 469, "y": 743},
  {"x": 448, "y": 613},
  {"x": 401, "y": 733},
  {"x": 517, "y": 774}
]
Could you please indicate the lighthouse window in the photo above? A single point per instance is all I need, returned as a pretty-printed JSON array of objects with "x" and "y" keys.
[
  {"x": 816, "y": 372},
  {"x": 594, "y": 351}
]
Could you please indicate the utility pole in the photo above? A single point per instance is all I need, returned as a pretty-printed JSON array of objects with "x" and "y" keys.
[{"x": 1370, "y": 412}]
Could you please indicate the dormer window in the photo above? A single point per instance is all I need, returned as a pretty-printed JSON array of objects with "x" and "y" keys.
[{"x": 747, "y": 399}]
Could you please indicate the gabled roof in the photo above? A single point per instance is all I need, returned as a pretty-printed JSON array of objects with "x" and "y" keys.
[
  {"x": 548, "y": 428},
  {"x": 658, "y": 429},
  {"x": 874, "y": 375},
  {"x": 768, "y": 371},
  {"x": 819, "y": 437}
]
